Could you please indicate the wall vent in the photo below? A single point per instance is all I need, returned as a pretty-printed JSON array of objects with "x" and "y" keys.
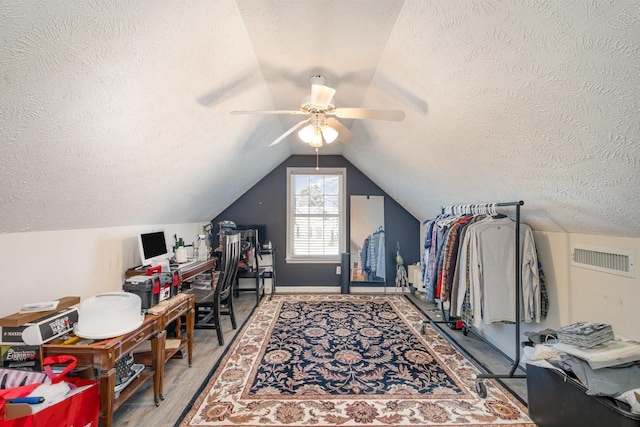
[{"x": 606, "y": 260}]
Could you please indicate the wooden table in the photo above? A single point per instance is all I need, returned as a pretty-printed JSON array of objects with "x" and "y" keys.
[
  {"x": 188, "y": 272},
  {"x": 102, "y": 355},
  {"x": 169, "y": 311},
  {"x": 198, "y": 267}
]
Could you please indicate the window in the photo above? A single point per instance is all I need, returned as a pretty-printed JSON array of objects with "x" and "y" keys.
[{"x": 315, "y": 214}]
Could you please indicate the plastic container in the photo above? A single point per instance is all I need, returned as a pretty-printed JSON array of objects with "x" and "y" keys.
[
  {"x": 109, "y": 315},
  {"x": 146, "y": 287},
  {"x": 174, "y": 280}
]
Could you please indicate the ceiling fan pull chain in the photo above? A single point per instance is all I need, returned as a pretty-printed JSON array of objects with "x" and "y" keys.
[{"x": 317, "y": 167}]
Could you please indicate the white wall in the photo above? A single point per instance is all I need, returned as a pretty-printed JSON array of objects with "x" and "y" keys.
[
  {"x": 598, "y": 296},
  {"x": 42, "y": 266},
  {"x": 577, "y": 293}
]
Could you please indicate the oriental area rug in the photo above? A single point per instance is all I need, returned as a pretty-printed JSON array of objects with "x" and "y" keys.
[{"x": 346, "y": 360}]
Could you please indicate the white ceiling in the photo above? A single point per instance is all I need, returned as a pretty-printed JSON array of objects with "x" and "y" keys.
[{"x": 117, "y": 112}]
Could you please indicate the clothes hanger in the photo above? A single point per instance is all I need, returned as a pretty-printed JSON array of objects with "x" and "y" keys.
[{"x": 496, "y": 214}]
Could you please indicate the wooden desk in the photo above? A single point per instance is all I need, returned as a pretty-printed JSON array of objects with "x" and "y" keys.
[
  {"x": 102, "y": 356},
  {"x": 171, "y": 310},
  {"x": 198, "y": 267},
  {"x": 186, "y": 273}
]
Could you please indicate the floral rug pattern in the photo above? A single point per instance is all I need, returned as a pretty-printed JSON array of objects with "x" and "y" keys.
[{"x": 346, "y": 360}]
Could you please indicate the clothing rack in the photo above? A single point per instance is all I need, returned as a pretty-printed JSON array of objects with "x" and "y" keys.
[{"x": 489, "y": 208}]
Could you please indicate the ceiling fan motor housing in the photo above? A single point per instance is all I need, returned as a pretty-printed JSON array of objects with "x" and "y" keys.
[
  {"x": 317, "y": 79},
  {"x": 311, "y": 108}
]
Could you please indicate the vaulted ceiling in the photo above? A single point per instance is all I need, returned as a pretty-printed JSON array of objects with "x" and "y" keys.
[{"x": 117, "y": 113}]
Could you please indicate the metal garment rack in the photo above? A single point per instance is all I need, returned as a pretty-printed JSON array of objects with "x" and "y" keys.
[{"x": 486, "y": 207}]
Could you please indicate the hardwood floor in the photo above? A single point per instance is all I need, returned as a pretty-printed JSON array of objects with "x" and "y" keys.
[
  {"x": 182, "y": 382},
  {"x": 487, "y": 358}
]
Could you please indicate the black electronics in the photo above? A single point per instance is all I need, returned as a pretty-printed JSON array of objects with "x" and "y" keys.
[
  {"x": 262, "y": 231},
  {"x": 153, "y": 247}
]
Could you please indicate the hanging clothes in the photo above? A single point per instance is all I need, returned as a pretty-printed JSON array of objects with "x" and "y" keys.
[
  {"x": 426, "y": 255},
  {"x": 469, "y": 261},
  {"x": 493, "y": 271},
  {"x": 450, "y": 258},
  {"x": 373, "y": 255}
]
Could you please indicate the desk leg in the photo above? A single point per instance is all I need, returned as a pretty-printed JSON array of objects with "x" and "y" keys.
[
  {"x": 158, "y": 354},
  {"x": 178, "y": 329},
  {"x": 273, "y": 280},
  {"x": 191, "y": 321},
  {"x": 257, "y": 289},
  {"x": 107, "y": 385}
]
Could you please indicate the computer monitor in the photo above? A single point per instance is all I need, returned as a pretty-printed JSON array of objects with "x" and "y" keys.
[{"x": 153, "y": 247}]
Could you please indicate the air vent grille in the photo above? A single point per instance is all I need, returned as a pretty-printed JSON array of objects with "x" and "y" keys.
[{"x": 605, "y": 260}]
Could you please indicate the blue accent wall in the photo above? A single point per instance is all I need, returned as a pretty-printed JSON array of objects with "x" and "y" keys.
[{"x": 266, "y": 203}]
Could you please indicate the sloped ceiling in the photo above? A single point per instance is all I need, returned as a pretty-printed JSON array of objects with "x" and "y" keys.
[{"x": 117, "y": 112}]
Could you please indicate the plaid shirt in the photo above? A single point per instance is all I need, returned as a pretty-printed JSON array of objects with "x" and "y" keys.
[{"x": 544, "y": 296}]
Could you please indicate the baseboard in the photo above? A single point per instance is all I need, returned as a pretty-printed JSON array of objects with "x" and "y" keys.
[{"x": 336, "y": 290}]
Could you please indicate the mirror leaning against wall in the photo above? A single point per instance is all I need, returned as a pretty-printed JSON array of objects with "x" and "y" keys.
[{"x": 367, "y": 243}]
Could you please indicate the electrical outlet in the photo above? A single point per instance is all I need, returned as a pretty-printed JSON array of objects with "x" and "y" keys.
[{"x": 338, "y": 269}]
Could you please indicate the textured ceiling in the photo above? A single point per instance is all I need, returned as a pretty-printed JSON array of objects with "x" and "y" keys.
[{"x": 117, "y": 112}]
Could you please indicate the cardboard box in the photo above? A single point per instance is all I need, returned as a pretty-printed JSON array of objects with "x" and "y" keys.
[
  {"x": 27, "y": 357},
  {"x": 51, "y": 327},
  {"x": 41, "y": 331},
  {"x": 12, "y": 335},
  {"x": 18, "y": 319}
]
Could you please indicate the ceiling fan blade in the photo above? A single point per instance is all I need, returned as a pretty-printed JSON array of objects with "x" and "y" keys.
[
  {"x": 369, "y": 113},
  {"x": 287, "y": 133},
  {"x": 321, "y": 95},
  {"x": 270, "y": 112},
  {"x": 344, "y": 135}
]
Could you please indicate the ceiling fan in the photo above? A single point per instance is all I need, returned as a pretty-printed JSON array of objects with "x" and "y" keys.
[{"x": 321, "y": 123}]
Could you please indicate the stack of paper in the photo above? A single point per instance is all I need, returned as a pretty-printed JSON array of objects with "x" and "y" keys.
[
  {"x": 38, "y": 307},
  {"x": 585, "y": 334}
]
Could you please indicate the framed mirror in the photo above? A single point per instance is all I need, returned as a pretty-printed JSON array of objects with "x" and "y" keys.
[{"x": 367, "y": 248}]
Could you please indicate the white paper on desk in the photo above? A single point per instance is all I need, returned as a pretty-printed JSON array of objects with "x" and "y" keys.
[{"x": 35, "y": 307}]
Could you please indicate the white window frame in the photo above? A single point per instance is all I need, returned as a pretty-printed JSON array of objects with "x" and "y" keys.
[{"x": 342, "y": 238}]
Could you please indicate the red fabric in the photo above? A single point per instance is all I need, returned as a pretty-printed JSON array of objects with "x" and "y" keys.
[
  {"x": 439, "y": 285},
  {"x": 71, "y": 362},
  {"x": 80, "y": 409}
]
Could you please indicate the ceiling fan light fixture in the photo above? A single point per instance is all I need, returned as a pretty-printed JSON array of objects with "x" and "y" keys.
[
  {"x": 316, "y": 139},
  {"x": 311, "y": 135},
  {"x": 329, "y": 134},
  {"x": 306, "y": 133}
]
